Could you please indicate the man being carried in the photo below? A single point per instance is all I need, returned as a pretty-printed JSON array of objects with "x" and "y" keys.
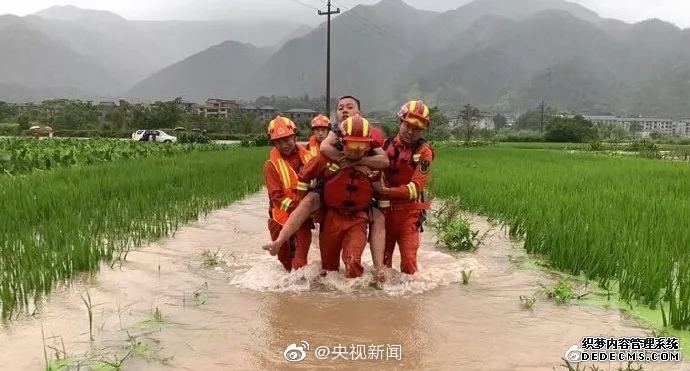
[
  {"x": 280, "y": 177},
  {"x": 348, "y": 106},
  {"x": 320, "y": 127},
  {"x": 347, "y": 195},
  {"x": 401, "y": 195}
]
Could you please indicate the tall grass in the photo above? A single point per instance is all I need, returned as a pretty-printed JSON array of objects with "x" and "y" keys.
[
  {"x": 624, "y": 221},
  {"x": 58, "y": 223}
]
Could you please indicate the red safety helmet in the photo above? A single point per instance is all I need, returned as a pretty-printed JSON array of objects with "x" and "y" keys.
[
  {"x": 415, "y": 113},
  {"x": 320, "y": 121},
  {"x": 356, "y": 133},
  {"x": 281, "y": 127}
]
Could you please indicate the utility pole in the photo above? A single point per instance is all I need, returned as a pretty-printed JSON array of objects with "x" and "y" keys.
[
  {"x": 548, "y": 96},
  {"x": 542, "y": 115},
  {"x": 328, "y": 14},
  {"x": 548, "y": 85}
]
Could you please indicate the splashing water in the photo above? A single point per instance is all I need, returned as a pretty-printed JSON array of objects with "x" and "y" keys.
[{"x": 262, "y": 272}]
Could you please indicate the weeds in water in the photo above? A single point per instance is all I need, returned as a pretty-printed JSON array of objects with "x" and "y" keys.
[
  {"x": 212, "y": 259},
  {"x": 89, "y": 308},
  {"x": 158, "y": 315},
  {"x": 199, "y": 296},
  {"x": 135, "y": 346},
  {"x": 59, "y": 353},
  {"x": 61, "y": 361},
  {"x": 466, "y": 277},
  {"x": 528, "y": 301},
  {"x": 453, "y": 230},
  {"x": 121, "y": 255},
  {"x": 112, "y": 365},
  {"x": 45, "y": 352},
  {"x": 562, "y": 292},
  {"x": 141, "y": 349},
  {"x": 156, "y": 321}
]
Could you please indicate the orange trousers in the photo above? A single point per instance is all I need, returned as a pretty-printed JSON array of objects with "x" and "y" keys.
[
  {"x": 343, "y": 236},
  {"x": 302, "y": 239},
  {"x": 401, "y": 229}
]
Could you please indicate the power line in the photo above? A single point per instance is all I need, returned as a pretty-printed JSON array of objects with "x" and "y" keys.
[
  {"x": 383, "y": 44},
  {"x": 376, "y": 28},
  {"x": 356, "y": 30},
  {"x": 328, "y": 14},
  {"x": 305, "y": 4},
  {"x": 367, "y": 24}
]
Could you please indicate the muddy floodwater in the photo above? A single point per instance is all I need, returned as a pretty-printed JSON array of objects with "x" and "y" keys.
[{"x": 169, "y": 308}]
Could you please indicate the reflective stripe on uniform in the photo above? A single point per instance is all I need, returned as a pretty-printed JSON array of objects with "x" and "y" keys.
[
  {"x": 301, "y": 186},
  {"x": 289, "y": 180},
  {"x": 413, "y": 190},
  {"x": 284, "y": 173},
  {"x": 333, "y": 167},
  {"x": 314, "y": 146},
  {"x": 285, "y": 204}
]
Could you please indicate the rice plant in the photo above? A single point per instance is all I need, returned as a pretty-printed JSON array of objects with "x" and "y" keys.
[
  {"x": 618, "y": 220},
  {"x": 56, "y": 224}
]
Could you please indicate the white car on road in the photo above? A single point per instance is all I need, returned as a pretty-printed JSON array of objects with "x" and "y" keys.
[{"x": 153, "y": 136}]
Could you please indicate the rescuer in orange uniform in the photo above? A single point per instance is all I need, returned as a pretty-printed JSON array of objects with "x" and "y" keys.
[
  {"x": 348, "y": 106},
  {"x": 320, "y": 127},
  {"x": 401, "y": 194},
  {"x": 346, "y": 196},
  {"x": 280, "y": 176}
]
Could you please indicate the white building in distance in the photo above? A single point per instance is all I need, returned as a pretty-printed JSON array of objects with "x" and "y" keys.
[{"x": 646, "y": 125}]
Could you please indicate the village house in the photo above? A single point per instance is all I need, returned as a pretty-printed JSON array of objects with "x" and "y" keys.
[
  {"x": 190, "y": 106},
  {"x": 645, "y": 125},
  {"x": 683, "y": 128},
  {"x": 298, "y": 114},
  {"x": 485, "y": 121},
  {"x": 218, "y": 107},
  {"x": 107, "y": 104},
  {"x": 263, "y": 113}
]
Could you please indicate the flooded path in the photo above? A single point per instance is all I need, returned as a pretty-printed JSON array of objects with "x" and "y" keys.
[{"x": 170, "y": 311}]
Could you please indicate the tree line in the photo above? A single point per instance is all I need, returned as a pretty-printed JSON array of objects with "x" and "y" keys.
[
  {"x": 79, "y": 118},
  {"x": 85, "y": 119}
]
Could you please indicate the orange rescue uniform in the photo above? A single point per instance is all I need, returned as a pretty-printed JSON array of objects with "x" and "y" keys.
[
  {"x": 280, "y": 177},
  {"x": 404, "y": 205},
  {"x": 347, "y": 195},
  {"x": 314, "y": 146}
]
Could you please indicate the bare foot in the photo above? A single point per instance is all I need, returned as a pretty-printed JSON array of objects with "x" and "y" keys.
[
  {"x": 272, "y": 248},
  {"x": 380, "y": 275}
]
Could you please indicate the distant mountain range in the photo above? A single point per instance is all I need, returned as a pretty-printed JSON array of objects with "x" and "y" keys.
[
  {"x": 495, "y": 54},
  {"x": 71, "y": 52}
]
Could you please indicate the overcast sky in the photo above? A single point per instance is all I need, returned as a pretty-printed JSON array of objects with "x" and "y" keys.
[{"x": 675, "y": 11}]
